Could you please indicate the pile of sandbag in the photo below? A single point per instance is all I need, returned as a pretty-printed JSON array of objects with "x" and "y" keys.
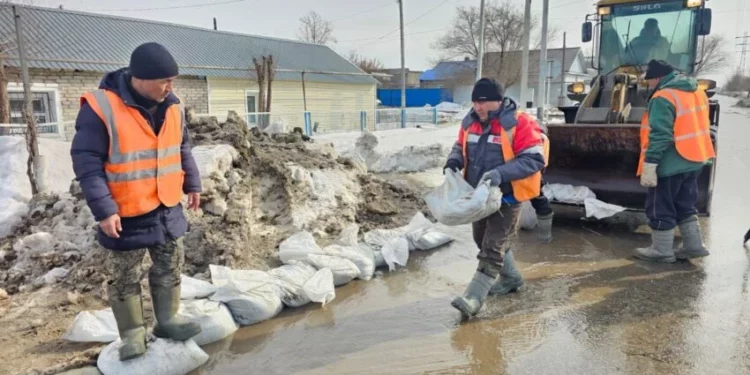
[{"x": 237, "y": 298}]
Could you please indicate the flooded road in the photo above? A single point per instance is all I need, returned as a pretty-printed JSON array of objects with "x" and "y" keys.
[{"x": 587, "y": 307}]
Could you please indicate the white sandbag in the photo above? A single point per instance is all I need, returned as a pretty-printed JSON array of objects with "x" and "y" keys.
[
  {"x": 527, "y": 217},
  {"x": 343, "y": 269},
  {"x": 291, "y": 279},
  {"x": 214, "y": 318},
  {"x": 93, "y": 326},
  {"x": 320, "y": 288},
  {"x": 396, "y": 252},
  {"x": 251, "y": 296},
  {"x": 193, "y": 288},
  {"x": 428, "y": 239},
  {"x": 163, "y": 357},
  {"x": 348, "y": 236},
  {"x": 455, "y": 202},
  {"x": 297, "y": 247},
  {"x": 379, "y": 260},
  {"x": 601, "y": 210},
  {"x": 364, "y": 263}
]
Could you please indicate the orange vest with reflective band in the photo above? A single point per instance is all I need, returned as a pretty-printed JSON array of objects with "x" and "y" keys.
[
  {"x": 143, "y": 170},
  {"x": 692, "y": 127},
  {"x": 526, "y": 188}
]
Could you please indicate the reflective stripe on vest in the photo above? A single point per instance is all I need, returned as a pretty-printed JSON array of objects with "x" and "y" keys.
[
  {"x": 692, "y": 127},
  {"x": 143, "y": 169},
  {"x": 523, "y": 189}
]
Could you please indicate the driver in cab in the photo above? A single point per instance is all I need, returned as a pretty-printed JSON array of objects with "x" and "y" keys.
[{"x": 650, "y": 45}]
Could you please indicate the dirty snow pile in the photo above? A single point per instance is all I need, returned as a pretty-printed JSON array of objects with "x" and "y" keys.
[
  {"x": 237, "y": 298},
  {"x": 15, "y": 191},
  {"x": 258, "y": 189},
  {"x": 406, "y": 160}
]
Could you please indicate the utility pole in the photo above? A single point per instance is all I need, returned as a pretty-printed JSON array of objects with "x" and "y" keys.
[
  {"x": 34, "y": 164},
  {"x": 403, "y": 59},
  {"x": 743, "y": 59},
  {"x": 480, "y": 57},
  {"x": 525, "y": 54},
  {"x": 562, "y": 72},
  {"x": 542, "y": 61}
]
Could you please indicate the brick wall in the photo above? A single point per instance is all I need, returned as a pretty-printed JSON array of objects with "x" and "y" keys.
[{"x": 71, "y": 85}]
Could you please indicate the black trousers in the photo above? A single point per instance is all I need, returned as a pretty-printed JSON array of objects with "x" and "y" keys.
[
  {"x": 672, "y": 200},
  {"x": 541, "y": 203},
  {"x": 495, "y": 234}
]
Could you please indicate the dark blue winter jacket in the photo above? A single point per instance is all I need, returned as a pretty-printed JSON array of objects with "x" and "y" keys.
[
  {"x": 484, "y": 148},
  {"x": 90, "y": 150}
]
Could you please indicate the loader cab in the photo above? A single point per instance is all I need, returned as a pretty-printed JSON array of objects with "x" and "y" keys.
[{"x": 630, "y": 34}]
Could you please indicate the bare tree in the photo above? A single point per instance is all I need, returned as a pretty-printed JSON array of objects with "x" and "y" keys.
[
  {"x": 315, "y": 29},
  {"x": 503, "y": 31},
  {"x": 712, "y": 55},
  {"x": 366, "y": 64}
]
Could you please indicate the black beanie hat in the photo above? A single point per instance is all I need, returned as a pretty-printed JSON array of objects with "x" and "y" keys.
[
  {"x": 152, "y": 61},
  {"x": 657, "y": 69},
  {"x": 487, "y": 90}
]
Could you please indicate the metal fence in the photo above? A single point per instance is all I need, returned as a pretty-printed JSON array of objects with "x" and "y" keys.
[
  {"x": 320, "y": 122},
  {"x": 47, "y": 130}
]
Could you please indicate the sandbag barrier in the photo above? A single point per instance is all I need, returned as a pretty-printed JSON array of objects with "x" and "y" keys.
[{"x": 237, "y": 298}]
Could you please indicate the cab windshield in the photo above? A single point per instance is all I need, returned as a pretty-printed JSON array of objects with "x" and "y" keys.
[{"x": 634, "y": 34}]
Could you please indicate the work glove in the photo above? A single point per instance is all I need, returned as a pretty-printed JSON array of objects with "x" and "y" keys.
[
  {"x": 648, "y": 175},
  {"x": 493, "y": 177},
  {"x": 453, "y": 165}
]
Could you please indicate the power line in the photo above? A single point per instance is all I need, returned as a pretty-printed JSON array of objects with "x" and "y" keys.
[
  {"x": 362, "y": 12},
  {"x": 171, "y": 7},
  {"x": 410, "y": 22}
]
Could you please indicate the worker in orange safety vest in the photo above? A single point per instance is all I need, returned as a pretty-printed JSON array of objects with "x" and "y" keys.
[{"x": 675, "y": 145}]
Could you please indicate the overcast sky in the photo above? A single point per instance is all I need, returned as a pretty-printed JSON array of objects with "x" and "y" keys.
[{"x": 371, "y": 27}]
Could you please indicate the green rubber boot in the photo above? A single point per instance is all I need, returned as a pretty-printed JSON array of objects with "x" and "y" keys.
[
  {"x": 476, "y": 293},
  {"x": 510, "y": 277},
  {"x": 692, "y": 240},
  {"x": 661, "y": 249},
  {"x": 166, "y": 301},
  {"x": 544, "y": 227},
  {"x": 129, "y": 316}
]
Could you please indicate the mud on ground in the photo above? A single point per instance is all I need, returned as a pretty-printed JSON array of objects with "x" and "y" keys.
[{"x": 257, "y": 192}]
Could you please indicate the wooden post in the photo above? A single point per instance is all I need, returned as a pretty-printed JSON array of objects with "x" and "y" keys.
[{"x": 304, "y": 93}]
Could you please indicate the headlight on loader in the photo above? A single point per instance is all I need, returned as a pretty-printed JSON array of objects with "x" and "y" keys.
[
  {"x": 707, "y": 85},
  {"x": 576, "y": 88}
]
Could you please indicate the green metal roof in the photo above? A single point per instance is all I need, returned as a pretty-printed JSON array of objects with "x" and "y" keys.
[{"x": 71, "y": 40}]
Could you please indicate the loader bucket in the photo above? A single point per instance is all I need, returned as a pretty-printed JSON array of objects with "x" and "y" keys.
[{"x": 604, "y": 157}]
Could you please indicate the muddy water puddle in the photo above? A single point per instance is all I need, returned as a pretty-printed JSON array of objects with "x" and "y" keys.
[{"x": 587, "y": 306}]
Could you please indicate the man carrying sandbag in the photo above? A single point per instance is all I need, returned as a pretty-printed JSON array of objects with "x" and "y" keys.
[
  {"x": 132, "y": 156},
  {"x": 502, "y": 146}
]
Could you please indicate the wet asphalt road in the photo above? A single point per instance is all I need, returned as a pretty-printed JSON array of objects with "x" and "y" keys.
[{"x": 588, "y": 307}]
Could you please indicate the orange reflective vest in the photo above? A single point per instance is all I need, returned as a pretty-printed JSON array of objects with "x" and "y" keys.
[
  {"x": 692, "y": 127},
  {"x": 526, "y": 188},
  {"x": 143, "y": 170}
]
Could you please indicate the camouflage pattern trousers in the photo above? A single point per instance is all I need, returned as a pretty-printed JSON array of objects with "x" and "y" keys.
[
  {"x": 126, "y": 271},
  {"x": 495, "y": 234}
]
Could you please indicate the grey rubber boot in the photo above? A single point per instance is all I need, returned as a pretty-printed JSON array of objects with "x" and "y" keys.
[
  {"x": 129, "y": 316},
  {"x": 510, "y": 277},
  {"x": 476, "y": 293},
  {"x": 692, "y": 240},
  {"x": 544, "y": 227},
  {"x": 661, "y": 249},
  {"x": 166, "y": 301}
]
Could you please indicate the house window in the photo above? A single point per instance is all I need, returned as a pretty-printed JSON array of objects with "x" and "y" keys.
[{"x": 42, "y": 106}]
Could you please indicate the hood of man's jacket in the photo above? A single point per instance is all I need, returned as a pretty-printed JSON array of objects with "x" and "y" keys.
[
  {"x": 116, "y": 81},
  {"x": 678, "y": 81}
]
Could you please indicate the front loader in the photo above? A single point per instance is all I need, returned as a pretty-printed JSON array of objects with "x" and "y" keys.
[{"x": 598, "y": 146}]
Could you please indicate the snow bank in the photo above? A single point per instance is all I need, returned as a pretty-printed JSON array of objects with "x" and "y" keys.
[
  {"x": 15, "y": 191},
  {"x": 413, "y": 158}
]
